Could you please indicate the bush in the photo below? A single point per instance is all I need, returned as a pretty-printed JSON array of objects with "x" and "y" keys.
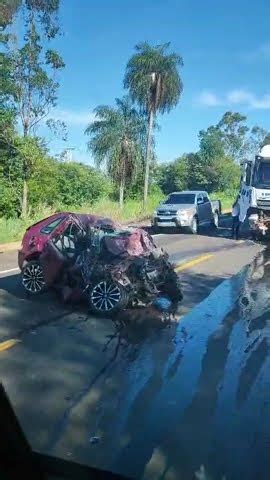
[
  {"x": 55, "y": 185},
  {"x": 172, "y": 176},
  {"x": 79, "y": 184},
  {"x": 9, "y": 203}
]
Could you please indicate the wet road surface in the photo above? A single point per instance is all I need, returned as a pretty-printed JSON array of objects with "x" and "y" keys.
[{"x": 143, "y": 400}]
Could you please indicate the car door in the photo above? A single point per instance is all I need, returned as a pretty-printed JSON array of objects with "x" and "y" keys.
[
  {"x": 200, "y": 208},
  {"x": 207, "y": 209},
  {"x": 59, "y": 250},
  {"x": 66, "y": 239}
]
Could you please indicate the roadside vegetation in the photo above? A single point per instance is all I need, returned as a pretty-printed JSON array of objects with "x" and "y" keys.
[
  {"x": 127, "y": 180},
  {"x": 12, "y": 229}
]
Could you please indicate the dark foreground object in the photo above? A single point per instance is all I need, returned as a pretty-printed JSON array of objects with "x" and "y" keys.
[{"x": 17, "y": 460}]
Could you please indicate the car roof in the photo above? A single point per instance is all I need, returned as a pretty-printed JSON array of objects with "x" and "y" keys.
[
  {"x": 49, "y": 219},
  {"x": 84, "y": 218},
  {"x": 193, "y": 192}
]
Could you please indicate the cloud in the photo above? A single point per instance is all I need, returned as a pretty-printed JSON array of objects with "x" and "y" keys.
[
  {"x": 239, "y": 97},
  {"x": 74, "y": 118},
  {"x": 208, "y": 99},
  {"x": 235, "y": 97},
  {"x": 262, "y": 52}
]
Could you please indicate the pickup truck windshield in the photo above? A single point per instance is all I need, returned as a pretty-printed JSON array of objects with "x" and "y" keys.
[
  {"x": 262, "y": 175},
  {"x": 180, "y": 199}
]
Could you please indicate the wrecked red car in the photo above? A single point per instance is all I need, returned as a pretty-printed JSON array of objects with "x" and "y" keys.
[
  {"x": 93, "y": 257},
  {"x": 37, "y": 235}
]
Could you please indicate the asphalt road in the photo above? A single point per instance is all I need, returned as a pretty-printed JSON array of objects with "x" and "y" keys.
[{"x": 146, "y": 401}]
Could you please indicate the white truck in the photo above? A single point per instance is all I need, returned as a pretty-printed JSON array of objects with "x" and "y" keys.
[{"x": 254, "y": 195}]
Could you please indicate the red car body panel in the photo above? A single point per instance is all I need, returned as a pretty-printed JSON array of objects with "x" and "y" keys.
[{"x": 34, "y": 240}]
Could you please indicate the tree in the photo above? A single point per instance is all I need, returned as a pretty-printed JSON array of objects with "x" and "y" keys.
[
  {"x": 117, "y": 139},
  {"x": 211, "y": 143},
  {"x": 78, "y": 184},
  {"x": 154, "y": 82},
  {"x": 212, "y": 168},
  {"x": 172, "y": 176},
  {"x": 8, "y": 9},
  {"x": 197, "y": 175},
  {"x": 30, "y": 72},
  {"x": 18, "y": 159},
  {"x": 255, "y": 141},
  {"x": 266, "y": 140},
  {"x": 233, "y": 129}
]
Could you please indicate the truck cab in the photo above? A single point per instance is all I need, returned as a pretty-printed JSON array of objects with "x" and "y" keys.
[{"x": 254, "y": 194}]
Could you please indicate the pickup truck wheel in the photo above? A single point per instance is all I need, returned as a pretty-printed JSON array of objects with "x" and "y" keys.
[
  {"x": 194, "y": 227},
  {"x": 32, "y": 278}
]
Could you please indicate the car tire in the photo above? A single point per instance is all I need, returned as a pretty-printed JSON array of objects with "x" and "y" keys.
[
  {"x": 32, "y": 278},
  {"x": 107, "y": 297},
  {"x": 194, "y": 227}
]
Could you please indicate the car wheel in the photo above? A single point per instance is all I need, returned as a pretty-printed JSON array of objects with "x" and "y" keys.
[
  {"x": 32, "y": 278},
  {"x": 107, "y": 297},
  {"x": 215, "y": 221},
  {"x": 194, "y": 227}
]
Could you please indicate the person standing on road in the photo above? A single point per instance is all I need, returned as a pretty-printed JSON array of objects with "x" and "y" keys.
[{"x": 235, "y": 219}]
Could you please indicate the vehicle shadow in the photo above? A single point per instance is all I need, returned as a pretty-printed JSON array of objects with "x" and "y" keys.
[
  {"x": 224, "y": 230},
  {"x": 69, "y": 380}
]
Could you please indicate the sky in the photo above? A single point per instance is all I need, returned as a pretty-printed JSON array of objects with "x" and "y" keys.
[{"x": 225, "y": 47}]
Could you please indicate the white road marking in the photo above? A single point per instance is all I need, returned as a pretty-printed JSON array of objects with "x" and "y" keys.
[{"x": 2, "y": 272}]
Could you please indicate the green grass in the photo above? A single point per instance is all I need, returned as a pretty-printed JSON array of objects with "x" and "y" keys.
[
  {"x": 12, "y": 229},
  {"x": 133, "y": 209}
]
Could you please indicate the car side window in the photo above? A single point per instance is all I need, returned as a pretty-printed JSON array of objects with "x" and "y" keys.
[
  {"x": 199, "y": 200},
  {"x": 51, "y": 226},
  {"x": 205, "y": 199},
  {"x": 65, "y": 242}
]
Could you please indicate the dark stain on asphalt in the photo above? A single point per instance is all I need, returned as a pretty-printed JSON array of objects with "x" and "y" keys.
[{"x": 251, "y": 370}]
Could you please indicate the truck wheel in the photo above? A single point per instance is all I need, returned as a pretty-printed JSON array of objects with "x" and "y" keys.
[
  {"x": 194, "y": 227},
  {"x": 107, "y": 297},
  {"x": 32, "y": 278}
]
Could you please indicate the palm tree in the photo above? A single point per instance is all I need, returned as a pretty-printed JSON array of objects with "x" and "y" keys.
[
  {"x": 153, "y": 80},
  {"x": 117, "y": 139}
]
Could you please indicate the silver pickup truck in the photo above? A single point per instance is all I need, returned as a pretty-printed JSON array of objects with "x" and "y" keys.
[{"x": 189, "y": 209}]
